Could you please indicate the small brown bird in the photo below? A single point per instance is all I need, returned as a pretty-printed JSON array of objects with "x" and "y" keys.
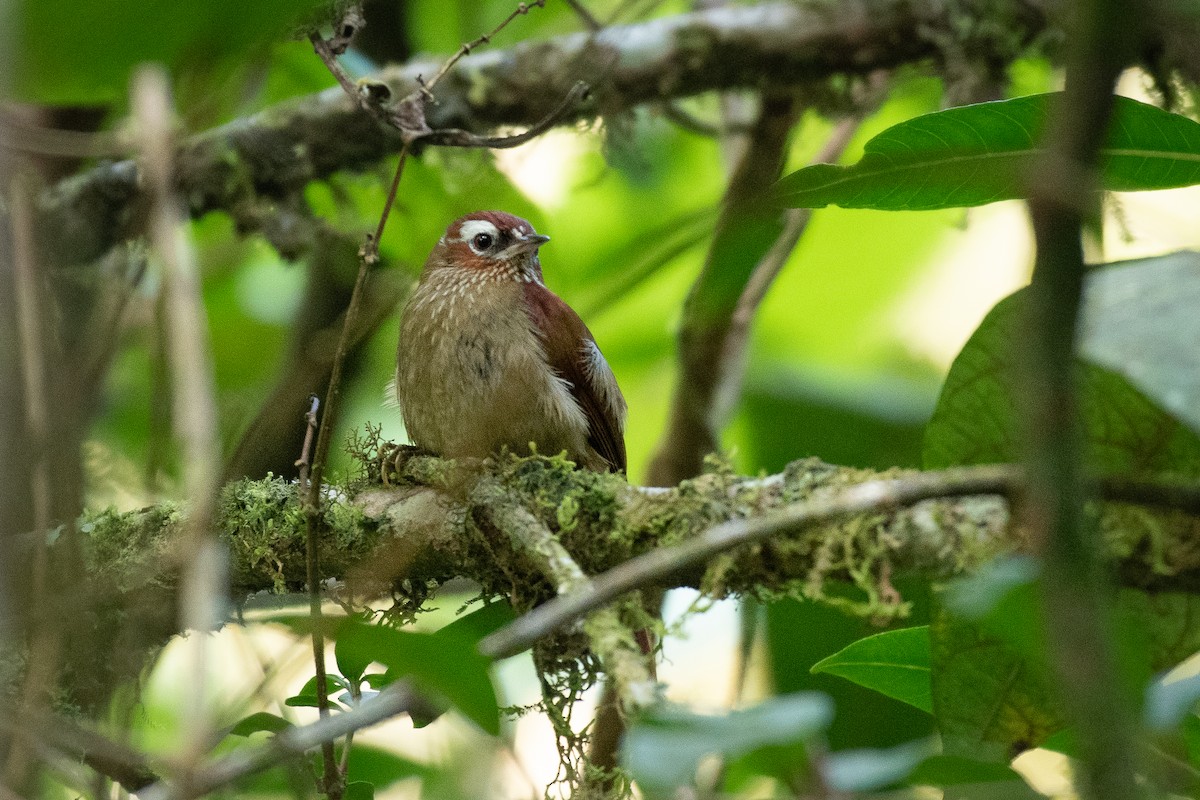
[{"x": 490, "y": 358}]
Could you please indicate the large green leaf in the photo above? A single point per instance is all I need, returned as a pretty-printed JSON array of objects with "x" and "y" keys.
[
  {"x": 894, "y": 663},
  {"x": 977, "y": 154},
  {"x": 662, "y": 748},
  {"x": 449, "y": 665},
  {"x": 1139, "y": 321}
]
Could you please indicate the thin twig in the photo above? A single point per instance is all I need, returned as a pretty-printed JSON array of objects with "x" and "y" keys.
[
  {"x": 42, "y": 661},
  {"x": 194, "y": 413},
  {"x": 1078, "y": 615},
  {"x": 23, "y": 136},
  {"x": 453, "y": 137},
  {"x": 465, "y": 49},
  {"x": 305, "y": 460},
  {"x": 589, "y": 19},
  {"x": 396, "y": 699},
  {"x": 368, "y": 256}
]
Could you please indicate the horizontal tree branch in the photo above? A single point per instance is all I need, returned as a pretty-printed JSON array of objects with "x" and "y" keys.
[
  {"x": 275, "y": 153},
  {"x": 431, "y": 526}
]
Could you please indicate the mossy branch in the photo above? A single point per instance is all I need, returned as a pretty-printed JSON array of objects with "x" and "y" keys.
[{"x": 426, "y": 529}]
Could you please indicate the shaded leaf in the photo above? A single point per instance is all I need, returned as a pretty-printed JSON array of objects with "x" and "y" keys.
[
  {"x": 976, "y": 418},
  {"x": 662, "y": 748},
  {"x": 1137, "y": 316},
  {"x": 445, "y": 663},
  {"x": 942, "y": 770},
  {"x": 990, "y": 702},
  {"x": 381, "y": 768},
  {"x": 359, "y": 790},
  {"x": 868, "y": 769},
  {"x": 981, "y": 153},
  {"x": 894, "y": 663},
  {"x": 260, "y": 721}
]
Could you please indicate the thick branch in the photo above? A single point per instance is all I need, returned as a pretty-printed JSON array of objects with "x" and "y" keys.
[
  {"x": 276, "y": 152},
  {"x": 425, "y": 530}
]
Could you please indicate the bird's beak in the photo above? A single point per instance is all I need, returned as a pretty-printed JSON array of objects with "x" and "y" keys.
[{"x": 528, "y": 244}]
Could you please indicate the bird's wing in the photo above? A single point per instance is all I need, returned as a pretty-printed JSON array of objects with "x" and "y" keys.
[{"x": 572, "y": 353}]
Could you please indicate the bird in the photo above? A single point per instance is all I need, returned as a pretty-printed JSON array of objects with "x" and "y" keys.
[{"x": 490, "y": 359}]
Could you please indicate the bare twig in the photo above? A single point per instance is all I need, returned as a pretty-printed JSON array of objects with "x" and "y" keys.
[
  {"x": 24, "y": 136},
  {"x": 194, "y": 412},
  {"x": 692, "y": 430},
  {"x": 589, "y": 19},
  {"x": 305, "y": 461},
  {"x": 44, "y": 645},
  {"x": 452, "y": 137},
  {"x": 466, "y": 48},
  {"x": 1078, "y": 613},
  {"x": 128, "y": 767},
  {"x": 733, "y": 357},
  {"x": 398, "y": 698}
]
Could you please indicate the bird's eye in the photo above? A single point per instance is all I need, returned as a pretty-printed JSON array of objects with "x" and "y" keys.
[{"x": 481, "y": 242}]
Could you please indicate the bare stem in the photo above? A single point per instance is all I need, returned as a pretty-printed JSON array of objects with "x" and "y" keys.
[
  {"x": 465, "y": 49},
  {"x": 1078, "y": 616}
]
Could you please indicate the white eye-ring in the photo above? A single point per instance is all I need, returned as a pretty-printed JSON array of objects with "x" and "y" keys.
[{"x": 479, "y": 234}]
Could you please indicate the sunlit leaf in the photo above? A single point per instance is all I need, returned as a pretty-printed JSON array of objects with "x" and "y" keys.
[
  {"x": 894, "y": 663},
  {"x": 977, "y": 154}
]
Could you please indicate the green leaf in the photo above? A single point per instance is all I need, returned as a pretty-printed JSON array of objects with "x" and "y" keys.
[
  {"x": 307, "y": 696},
  {"x": 381, "y": 768},
  {"x": 260, "y": 721},
  {"x": 1169, "y": 701},
  {"x": 446, "y": 663},
  {"x": 359, "y": 790},
  {"x": 1137, "y": 316},
  {"x": 894, "y": 663},
  {"x": 352, "y": 664},
  {"x": 662, "y": 748},
  {"x": 976, "y": 418},
  {"x": 942, "y": 770},
  {"x": 990, "y": 701},
  {"x": 870, "y": 768},
  {"x": 977, "y": 154}
]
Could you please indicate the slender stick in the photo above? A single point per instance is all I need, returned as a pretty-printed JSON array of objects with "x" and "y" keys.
[
  {"x": 1078, "y": 614},
  {"x": 194, "y": 412}
]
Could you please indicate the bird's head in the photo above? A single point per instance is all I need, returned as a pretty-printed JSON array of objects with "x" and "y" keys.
[{"x": 491, "y": 245}]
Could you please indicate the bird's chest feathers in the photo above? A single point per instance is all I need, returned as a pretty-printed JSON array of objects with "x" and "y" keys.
[
  {"x": 483, "y": 341},
  {"x": 472, "y": 370}
]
